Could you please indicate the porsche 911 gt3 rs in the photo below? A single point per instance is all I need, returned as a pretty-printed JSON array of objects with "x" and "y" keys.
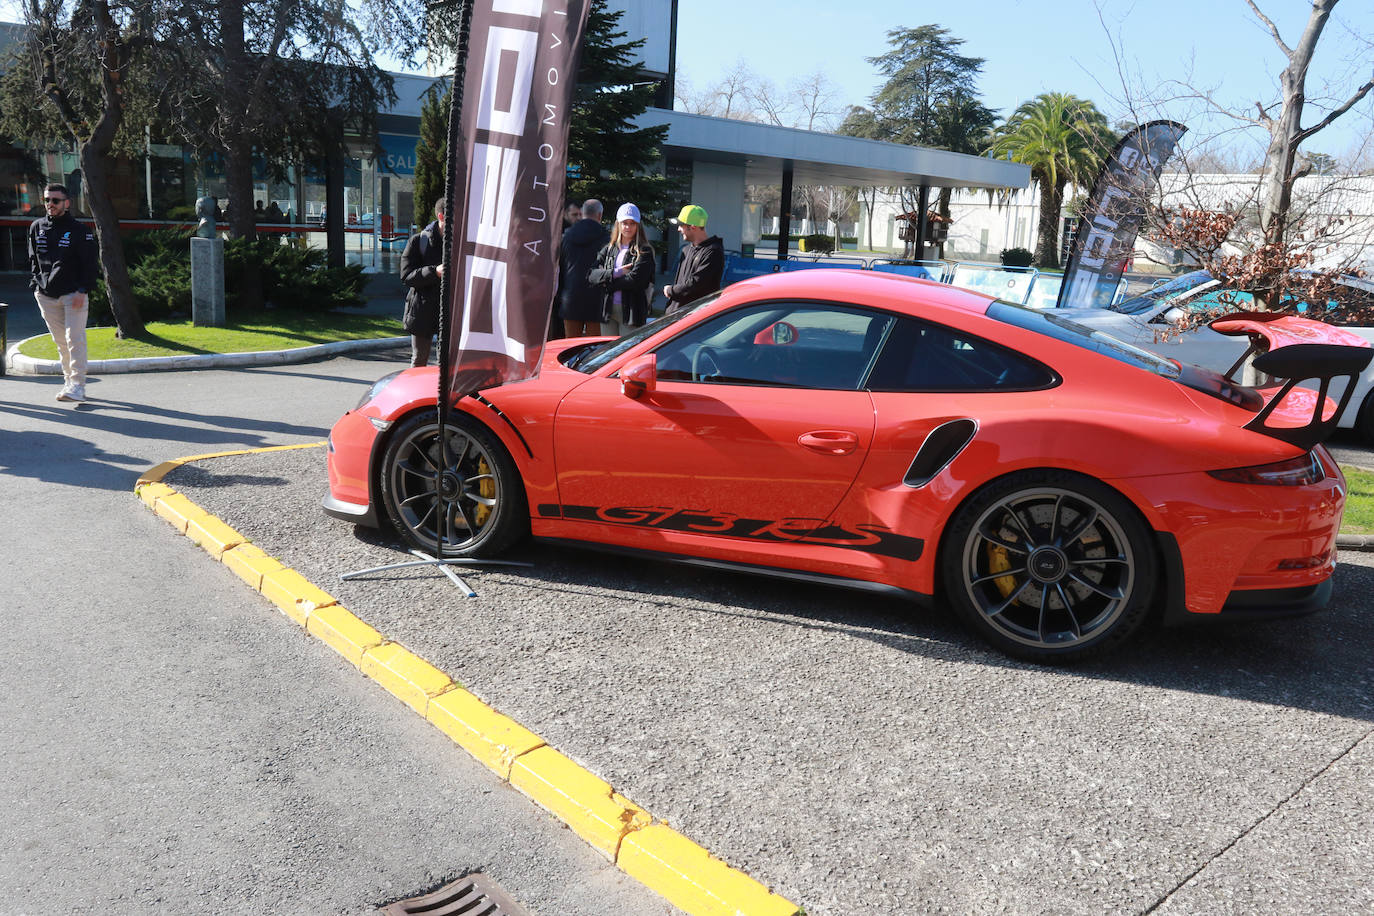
[{"x": 1049, "y": 482}]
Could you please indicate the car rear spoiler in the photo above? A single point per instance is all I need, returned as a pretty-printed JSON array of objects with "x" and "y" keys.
[{"x": 1295, "y": 350}]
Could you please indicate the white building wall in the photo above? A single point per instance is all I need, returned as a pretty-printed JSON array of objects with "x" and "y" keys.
[
  {"x": 720, "y": 189},
  {"x": 982, "y": 229}
]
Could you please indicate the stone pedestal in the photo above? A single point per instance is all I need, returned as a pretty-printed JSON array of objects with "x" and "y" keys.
[{"x": 207, "y": 282}]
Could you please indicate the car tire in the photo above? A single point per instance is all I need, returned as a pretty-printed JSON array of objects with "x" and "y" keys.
[
  {"x": 1364, "y": 420},
  {"x": 1049, "y": 566},
  {"x": 476, "y": 507}
]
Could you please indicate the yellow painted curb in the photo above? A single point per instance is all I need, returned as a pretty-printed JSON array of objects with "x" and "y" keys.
[
  {"x": 150, "y": 493},
  {"x": 178, "y": 510},
  {"x": 157, "y": 472},
  {"x": 339, "y": 629},
  {"x": 405, "y": 674},
  {"x": 691, "y": 879},
  {"x": 212, "y": 535},
  {"x": 494, "y": 739},
  {"x": 296, "y": 595},
  {"x": 250, "y": 563},
  {"x": 584, "y": 802},
  {"x": 660, "y": 858}
]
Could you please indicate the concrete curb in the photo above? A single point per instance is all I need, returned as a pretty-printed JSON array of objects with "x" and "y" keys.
[
  {"x": 642, "y": 846},
  {"x": 19, "y": 364}
]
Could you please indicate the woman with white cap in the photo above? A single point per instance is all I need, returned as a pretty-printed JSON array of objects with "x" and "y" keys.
[{"x": 624, "y": 272}]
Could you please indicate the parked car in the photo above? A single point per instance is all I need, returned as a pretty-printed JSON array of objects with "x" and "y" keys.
[
  {"x": 1051, "y": 483},
  {"x": 1150, "y": 320}
]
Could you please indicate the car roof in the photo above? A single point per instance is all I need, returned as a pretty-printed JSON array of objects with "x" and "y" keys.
[{"x": 862, "y": 287}]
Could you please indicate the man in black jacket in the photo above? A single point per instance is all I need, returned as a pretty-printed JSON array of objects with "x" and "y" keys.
[
  {"x": 579, "y": 303},
  {"x": 422, "y": 270},
  {"x": 62, "y": 271},
  {"x": 701, "y": 264}
]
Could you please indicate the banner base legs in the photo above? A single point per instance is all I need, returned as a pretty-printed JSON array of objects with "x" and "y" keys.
[{"x": 444, "y": 565}]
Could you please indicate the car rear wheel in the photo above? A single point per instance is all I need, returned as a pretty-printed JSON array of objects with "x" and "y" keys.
[
  {"x": 465, "y": 500},
  {"x": 1050, "y": 566}
]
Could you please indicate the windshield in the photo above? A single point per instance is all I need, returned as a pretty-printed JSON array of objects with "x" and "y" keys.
[
  {"x": 1071, "y": 332},
  {"x": 593, "y": 358},
  {"x": 1187, "y": 284}
]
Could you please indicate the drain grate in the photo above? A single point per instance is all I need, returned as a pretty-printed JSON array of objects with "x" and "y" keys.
[{"x": 470, "y": 895}]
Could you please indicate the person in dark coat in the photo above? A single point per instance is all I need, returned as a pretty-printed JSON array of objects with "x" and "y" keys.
[
  {"x": 580, "y": 303},
  {"x": 63, "y": 269},
  {"x": 701, "y": 264},
  {"x": 624, "y": 274},
  {"x": 422, "y": 270}
]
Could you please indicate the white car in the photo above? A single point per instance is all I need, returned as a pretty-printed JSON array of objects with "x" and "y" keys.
[{"x": 1150, "y": 320}]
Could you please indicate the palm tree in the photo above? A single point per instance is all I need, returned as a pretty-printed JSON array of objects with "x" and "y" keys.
[{"x": 1063, "y": 139}]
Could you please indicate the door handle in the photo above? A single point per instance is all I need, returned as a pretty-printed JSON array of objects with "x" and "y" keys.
[{"x": 829, "y": 441}]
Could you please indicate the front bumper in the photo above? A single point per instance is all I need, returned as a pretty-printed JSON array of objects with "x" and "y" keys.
[{"x": 349, "y": 512}]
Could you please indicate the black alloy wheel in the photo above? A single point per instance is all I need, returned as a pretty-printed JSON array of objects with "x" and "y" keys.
[
  {"x": 464, "y": 500},
  {"x": 1050, "y": 566}
]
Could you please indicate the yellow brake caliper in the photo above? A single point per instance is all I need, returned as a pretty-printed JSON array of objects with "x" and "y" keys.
[
  {"x": 999, "y": 560},
  {"x": 487, "y": 487}
]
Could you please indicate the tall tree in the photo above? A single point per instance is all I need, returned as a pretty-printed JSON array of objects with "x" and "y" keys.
[
  {"x": 929, "y": 98},
  {"x": 609, "y": 154},
  {"x": 1282, "y": 166},
  {"x": 74, "y": 85},
  {"x": 431, "y": 152},
  {"x": 1063, "y": 139},
  {"x": 928, "y": 85},
  {"x": 281, "y": 78}
]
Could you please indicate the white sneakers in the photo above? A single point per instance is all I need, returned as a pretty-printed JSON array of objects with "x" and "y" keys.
[{"x": 72, "y": 393}]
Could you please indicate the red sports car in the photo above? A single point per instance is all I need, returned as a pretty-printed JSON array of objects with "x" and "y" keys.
[{"x": 1052, "y": 483}]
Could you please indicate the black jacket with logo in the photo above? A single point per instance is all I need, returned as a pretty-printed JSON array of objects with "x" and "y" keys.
[
  {"x": 63, "y": 257},
  {"x": 699, "y": 270}
]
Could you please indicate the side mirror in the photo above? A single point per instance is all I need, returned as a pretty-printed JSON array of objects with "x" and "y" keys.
[
  {"x": 779, "y": 333},
  {"x": 639, "y": 378}
]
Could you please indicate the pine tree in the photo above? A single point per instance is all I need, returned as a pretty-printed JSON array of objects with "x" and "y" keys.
[
  {"x": 431, "y": 153},
  {"x": 610, "y": 156}
]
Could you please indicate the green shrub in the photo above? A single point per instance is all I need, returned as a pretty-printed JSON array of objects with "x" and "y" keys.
[
  {"x": 1017, "y": 257},
  {"x": 160, "y": 273},
  {"x": 819, "y": 242}
]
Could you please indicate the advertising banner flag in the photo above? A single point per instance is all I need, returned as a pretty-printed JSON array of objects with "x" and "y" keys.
[
  {"x": 508, "y": 149},
  {"x": 1106, "y": 236}
]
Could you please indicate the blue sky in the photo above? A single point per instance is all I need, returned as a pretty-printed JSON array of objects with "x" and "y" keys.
[{"x": 1034, "y": 46}]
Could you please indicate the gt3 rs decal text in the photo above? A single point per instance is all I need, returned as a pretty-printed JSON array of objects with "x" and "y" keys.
[{"x": 873, "y": 539}]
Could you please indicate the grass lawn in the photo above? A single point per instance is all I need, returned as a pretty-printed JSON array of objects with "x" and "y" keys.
[
  {"x": 1359, "y": 503},
  {"x": 278, "y": 329}
]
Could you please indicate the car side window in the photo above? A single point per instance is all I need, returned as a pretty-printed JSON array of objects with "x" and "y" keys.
[
  {"x": 791, "y": 344},
  {"x": 919, "y": 356}
]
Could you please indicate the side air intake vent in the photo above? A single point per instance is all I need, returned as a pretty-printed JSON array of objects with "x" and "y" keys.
[{"x": 940, "y": 448}]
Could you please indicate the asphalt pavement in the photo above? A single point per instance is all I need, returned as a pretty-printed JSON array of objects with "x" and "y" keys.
[
  {"x": 172, "y": 744},
  {"x": 858, "y": 755},
  {"x": 167, "y": 726}
]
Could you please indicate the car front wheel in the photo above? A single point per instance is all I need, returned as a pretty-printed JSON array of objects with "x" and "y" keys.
[
  {"x": 1050, "y": 566},
  {"x": 462, "y": 500}
]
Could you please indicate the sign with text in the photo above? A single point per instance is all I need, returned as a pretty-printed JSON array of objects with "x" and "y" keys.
[
  {"x": 1106, "y": 237},
  {"x": 506, "y": 179}
]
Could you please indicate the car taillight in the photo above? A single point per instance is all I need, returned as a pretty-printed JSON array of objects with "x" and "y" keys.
[{"x": 1294, "y": 472}]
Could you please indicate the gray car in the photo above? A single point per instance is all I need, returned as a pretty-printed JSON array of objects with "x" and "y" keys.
[{"x": 1150, "y": 321}]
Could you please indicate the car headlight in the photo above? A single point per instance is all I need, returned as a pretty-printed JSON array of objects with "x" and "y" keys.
[{"x": 376, "y": 388}]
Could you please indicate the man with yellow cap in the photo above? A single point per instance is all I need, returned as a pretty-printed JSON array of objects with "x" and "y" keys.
[{"x": 701, "y": 263}]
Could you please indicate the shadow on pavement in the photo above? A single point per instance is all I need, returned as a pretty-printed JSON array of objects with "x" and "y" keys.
[{"x": 1319, "y": 662}]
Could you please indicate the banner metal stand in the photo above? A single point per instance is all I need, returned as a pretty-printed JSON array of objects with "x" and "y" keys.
[
  {"x": 510, "y": 128},
  {"x": 445, "y": 566}
]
